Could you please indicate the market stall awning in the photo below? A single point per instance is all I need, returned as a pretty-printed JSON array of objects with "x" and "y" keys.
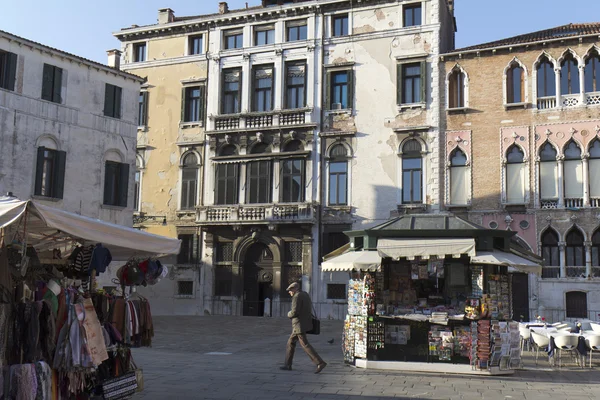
[
  {"x": 498, "y": 257},
  {"x": 358, "y": 260},
  {"x": 397, "y": 248},
  {"x": 46, "y": 226}
]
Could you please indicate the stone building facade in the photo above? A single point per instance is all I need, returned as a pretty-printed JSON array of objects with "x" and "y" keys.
[
  {"x": 522, "y": 152},
  {"x": 67, "y": 130}
]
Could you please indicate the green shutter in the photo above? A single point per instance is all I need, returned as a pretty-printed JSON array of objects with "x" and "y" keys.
[
  {"x": 118, "y": 94},
  {"x": 39, "y": 171},
  {"x": 109, "y": 96},
  {"x": 327, "y": 105},
  {"x": 57, "y": 98},
  {"x": 59, "y": 174},
  {"x": 183, "y": 106},
  {"x": 350, "y": 99},
  {"x": 123, "y": 184},
  {"x": 145, "y": 109},
  {"x": 11, "y": 71},
  {"x": 47, "y": 78},
  {"x": 423, "y": 82},
  {"x": 399, "y": 83}
]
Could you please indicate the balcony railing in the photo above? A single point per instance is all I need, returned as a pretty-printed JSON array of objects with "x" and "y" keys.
[
  {"x": 592, "y": 99},
  {"x": 570, "y": 100},
  {"x": 549, "y": 204},
  {"x": 551, "y": 272},
  {"x": 571, "y": 272},
  {"x": 575, "y": 272},
  {"x": 573, "y": 202},
  {"x": 544, "y": 103},
  {"x": 260, "y": 120},
  {"x": 268, "y": 213},
  {"x": 594, "y": 201}
]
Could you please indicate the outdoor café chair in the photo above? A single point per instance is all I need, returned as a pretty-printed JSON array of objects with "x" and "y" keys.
[
  {"x": 525, "y": 336},
  {"x": 565, "y": 343},
  {"x": 593, "y": 342},
  {"x": 540, "y": 341}
]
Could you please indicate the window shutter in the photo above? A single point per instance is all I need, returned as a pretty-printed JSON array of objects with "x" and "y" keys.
[
  {"x": 118, "y": 93},
  {"x": 123, "y": 184},
  {"x": 59, "y": 175},
  {"x": 109, "y": 95},
  {"x": 183, "y": 101},
  {"x": 47, "y": 78},
  {"x": 145, "y": 106},
  {"x": 108, "y": 177},
  {"x": 58, "y": 72},
  {"x": 39, "y": 171},
  {"x": 240, "y": 84},
  {"x": 11, "y": 71},
  {"x": 423, "y": 82},
  {"x": 350, "y": 98},
  {"x": 202, "y": 102},
  {"x": 328, "y": 90},
  {"x": 399, "y": 83}
]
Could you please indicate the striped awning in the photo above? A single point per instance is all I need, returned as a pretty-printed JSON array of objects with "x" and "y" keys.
[
  {"x": 410, "y": 249},
  {"x": 353, "y": 260}
]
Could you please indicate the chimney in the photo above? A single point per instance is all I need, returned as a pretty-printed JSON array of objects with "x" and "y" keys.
[
  {"x": 114, "y": 58},
  {"x": 165, "y": 15},
  {"x": 223, "y": 7},
  {"x": 451, "y": 6}
]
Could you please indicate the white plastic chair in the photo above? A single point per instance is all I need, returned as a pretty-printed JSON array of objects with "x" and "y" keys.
[
  {"x": 565, "y": 343},
  {"x": 595, "y": 326},
  {"x": 525, "y": 335},
  {"x": 540, "y": 341},
  {"x": 593, "y": 343}
]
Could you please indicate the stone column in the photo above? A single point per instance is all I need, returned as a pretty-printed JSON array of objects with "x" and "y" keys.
[
  {"x": 557, "y": 84},
  {"x": 588, "y": 258},
  {"x": 536, "y": 186},
  {"x": 581, "y": 85},
  {"x": 246, "y": 83},
  {"x": 586, "y": 180},
  {"x": 561, "y": 183},
  {"x": 563, "y": 256}
]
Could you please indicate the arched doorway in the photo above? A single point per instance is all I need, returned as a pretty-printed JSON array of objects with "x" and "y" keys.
[{"x": 258, "y": 279}]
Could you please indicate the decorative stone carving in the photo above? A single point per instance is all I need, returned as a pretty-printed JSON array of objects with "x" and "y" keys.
[
  {"x": 260, "y": 137},
  {"x": 212, "y": 143},
  {"x": 243, "y": 141},
  {"x": 228, "y": 139}
]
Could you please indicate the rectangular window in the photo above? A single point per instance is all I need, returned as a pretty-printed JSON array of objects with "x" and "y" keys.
[
  {"x": 573, "y": 178},
  {"x": 185, "y": 288},
  {"x": 262, "y": 99},
  {"x": 339, "y": 25},
  {"x": 296, "y": 30},
  {"x": 458, "y": 185},
  {"x": 548, "y": 180},
  {"x": 264, "y": 35},
  {"x": 340, "y": 90},
  {"x": 196, "y": 45},
  {"x": 295, "y": 85},
  {"x": 515, "y": 183},
  {"x": 50, "y": 173},
  {"x": 411, "y": 83},
  {"x": 336, "y": 291},
  {"x": 189, "y": 250},
  {"x": 227, "y": 184},
  {"x": 52, "y": 83},
  {"x": 234, "y": 39},
  {"x": 232, "y": 91},
  {"x": 412, "y": 15},
  {"x": 193, "y": 107},
  {"x": 189, "y": 187},
  {"x": 258, "y": 182},
  {"x": 137, "y": 191},
  {"x": 112, "y": 101},
  {"x": 8, "y": 70},
  {"x": 594, "y": 177},
  {"x": 333, "y": 238},
  {"x": 116, "y": 183},
  {"x": 338, "y": 183},
  {"x": 139, "y": 52},
  {"x": 292, "y": 177},
  {"x": 143, "y": 109},
  {"x": 412, "y": 180}
]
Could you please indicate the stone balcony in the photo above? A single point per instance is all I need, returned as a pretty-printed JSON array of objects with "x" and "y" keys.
[
  {"x": 263, "y": 120},
  {"x": 243, "y": 214}
]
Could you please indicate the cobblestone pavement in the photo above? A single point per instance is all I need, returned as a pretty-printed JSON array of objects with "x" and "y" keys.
[{"x": 216, "y": 357}]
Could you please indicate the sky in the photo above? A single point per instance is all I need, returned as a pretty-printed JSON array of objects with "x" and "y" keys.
[{"x": 85, "y": 27}]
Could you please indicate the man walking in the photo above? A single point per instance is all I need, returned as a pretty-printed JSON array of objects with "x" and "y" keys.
[{"x": 301, "y": 316}]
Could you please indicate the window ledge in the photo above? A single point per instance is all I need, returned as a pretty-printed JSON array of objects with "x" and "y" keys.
[
  {"x": 45, "y": 198},
  {"x": 413, "y": 206},
  {"x": 509, "y": 106},
  {"x": 456, "y": 110},
  {"x": 458, "y": 205},
  {"x": 111, "y": 207},
  {"x": 142, "y": 128},
  {"x": 341, "y": 111},
  {"x": 339, "y": 208},
  {"x": 185, "y": 125},
  {"x": 410, "y": 106}
]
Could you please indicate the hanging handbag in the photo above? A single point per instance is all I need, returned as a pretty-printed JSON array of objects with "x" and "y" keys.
[
  {"x": 121, "y": 387},
  {"x": 316, "y": 324},
  {"x": 139, "y": 375}
]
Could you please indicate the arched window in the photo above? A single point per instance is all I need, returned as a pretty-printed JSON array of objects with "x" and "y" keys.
[
  {"x": 137, "y": 190},
  {"x": 596, "y": 249},
  {"x": 227, "y": 178},
  {"x": 548, "y": 172},
  {"x": 575, "y": 249},
  {"x": 259, "y": 177},
  {"x": 576, "y": 304},
  {"x": 515, "y": 84},
  {"x": 569, "y": 75},
  {"x": 412, "y": 173},
  {"x": 573, "y": 171},
  {"x": 592, "y": 72},
  {"x": 458, "y": 177},
  {"x": 456, "y": 89},
  {"x": 189, "y": 181},
  {"x": 550, "y": 252},
  {"x": 515, "y": 175},
  {"x": 546, "y": 84},
  {"x": 338, "y": 175},
  {"x": 594, "y": 171},
  {"x": 292, "y": 175}
]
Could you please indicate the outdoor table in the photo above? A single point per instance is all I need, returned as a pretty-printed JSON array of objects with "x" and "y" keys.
[{"x": 551, "y": 333}]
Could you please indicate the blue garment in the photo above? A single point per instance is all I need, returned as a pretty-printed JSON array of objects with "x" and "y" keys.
[{"x": 101, "y": 257}]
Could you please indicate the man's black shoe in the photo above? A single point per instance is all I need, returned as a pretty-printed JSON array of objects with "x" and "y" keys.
[
  {"x": 286, "y": 368},
  {"x": 320, "y": 367}
]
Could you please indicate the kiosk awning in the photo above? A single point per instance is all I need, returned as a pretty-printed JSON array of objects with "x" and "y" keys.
[
  {"x": 359, "y": 260},
  {"x": 425, "y": 248},
  {"x": 498, "y": 257}
]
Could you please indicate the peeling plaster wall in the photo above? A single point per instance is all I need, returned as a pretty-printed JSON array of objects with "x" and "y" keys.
[{"x": 78, "y": 126}]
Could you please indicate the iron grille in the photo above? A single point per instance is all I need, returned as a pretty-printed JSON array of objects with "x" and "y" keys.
[
  {"x": 293, "y": 251},
  {"x": 336, "y": 291},
  {"x": 185, "y": 288},
  {"x": 224, "y": 252}
]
